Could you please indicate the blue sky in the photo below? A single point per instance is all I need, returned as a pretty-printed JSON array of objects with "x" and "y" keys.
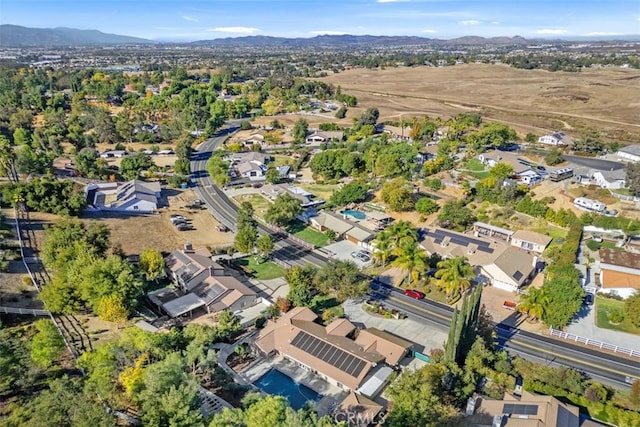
[{"x": 182, "y": 20}]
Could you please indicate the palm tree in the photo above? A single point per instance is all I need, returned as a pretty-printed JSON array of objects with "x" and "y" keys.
[
  {"x": 383, "y": 247},
  {"x": 411, "y": 258},
  {"x": 455, "y": 274},
  {"x": 534, "y": 303},
  {"x": 402, "y": 231}
]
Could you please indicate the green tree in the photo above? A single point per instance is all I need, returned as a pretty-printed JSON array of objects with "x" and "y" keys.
[
  {"x": 368, "y": 117},
  {"x": 501, "y": 171},
  {"x": 46, "y": 345},
  {"x": 300, "y": 280},
  {"x": 245, "y": 240},
  {"x": 411, "y": 258},
  {"x": 227, "y": 324},
  {"x": 265, "y": 245},
  {"x": 272, "y": 176},
  {"x": 397, "y": 194},
  {"x": 534, "y": 303},
  {"x": 341, "y": 279},
  {"x": 245, "y": 216},
  {"x": 151, "y": 263},
  {"x": 341, "y": 113},
  {"x": 463, "y": 330},
  {"x": 492, "y": 135},
  {"x": 554, "y": 157},
  {"x": 454, "y": 214},
  {"x": 284, "y": 209},
  {"x": 218, "y": 169},
  {"x": 299, "y": 131},
  {"x": 531, "y": 138},
  {"x": 111, "y": 308},
  {"x": 426, "y": 206},
  {"x": 632, "y": 309},
  {"x": 455, "y": 275},
  {"x": 131, "y": 166},
  {"x": 353, "y": 192}
]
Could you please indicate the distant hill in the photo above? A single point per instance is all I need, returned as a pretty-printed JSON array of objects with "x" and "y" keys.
[
  {"x": 338, "y": 41},
  {"x": 17, "y": 36}
]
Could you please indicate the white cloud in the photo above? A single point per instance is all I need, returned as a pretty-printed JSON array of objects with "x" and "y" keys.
[
  {"x": 552, "y": 31},
  {"x": 235, "y": 30},
  {"x": 469, "y": 22},
  {"x": 601, "y": 33},
  {"x": 429, "y": 31},
  {"x": 327, "y": 33},
  {"x": 495, "y": 22},
  {"x": 190, "y": 18}
]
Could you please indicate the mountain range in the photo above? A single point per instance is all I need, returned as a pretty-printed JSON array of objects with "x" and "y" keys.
[{"x": 18, "y": 36}]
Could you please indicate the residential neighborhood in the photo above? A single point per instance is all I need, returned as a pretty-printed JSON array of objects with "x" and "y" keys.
[{"x": 281, "y": 239}]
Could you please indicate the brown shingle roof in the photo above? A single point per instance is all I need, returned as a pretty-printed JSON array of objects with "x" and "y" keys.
[
  {"x": 618, "y": 279},
  {"x": 620, "y": 258},
  {"x": 340, "y": 327},
  {"x": 392, "y": 347}
]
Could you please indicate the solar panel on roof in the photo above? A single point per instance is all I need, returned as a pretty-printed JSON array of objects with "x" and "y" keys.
[
  {"x": 439, "y": 236},
  {"x": 517, "y": 409},
  {"x": 182, "y": 257},
  {"x": 517, "y": 275},
  {"x": 328, "y": 353}
]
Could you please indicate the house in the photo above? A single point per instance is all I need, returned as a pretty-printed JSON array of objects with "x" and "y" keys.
[
  {"x": 630, "y": 153},
  {"x": 530, "y": 410},
  {"x": 256, "y": 138},
  {"x": 392, "y": 347},
  {"x": 530, "y": 241},
  {"x": 510, "y": 270},
  {"x": 491, "y": 231},
  {"x": 529, "y": 177},
  {"x": 63, "y": 166},
  {"x": 492, "y": 157},
  {"x": 328, "y": 352},
  {"x": 398, "y": 133},
  {"x": 307, "y": 200},
  {"x": 343, "y": 228},
  {"x": 251, "y": 170},
  {"x": 613, "y": 180},
  {"x": 556, "y": 138},
  {"x": 200, "y": 283},
  {"x": 111, "y": 154},
  {"x": 619, "y": 272},
  {"x": 494, "y": 260},
  {"x": 147, "y": 127},
  {"x": 131, "y": 196},
  {"x": 322, "y": 137},
  {"x": 358, "y": 410}
]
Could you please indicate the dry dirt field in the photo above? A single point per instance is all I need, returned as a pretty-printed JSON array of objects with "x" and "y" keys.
[{"x": 535, "y": 101}]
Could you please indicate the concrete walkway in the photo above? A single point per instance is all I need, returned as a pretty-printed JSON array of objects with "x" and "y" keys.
[
  {"x": 585, "y": 326},
  {"x": 232, "y": 192}
]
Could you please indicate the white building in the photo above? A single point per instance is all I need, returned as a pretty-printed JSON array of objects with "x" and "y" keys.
[
  {"x": 556, "y": 138},
  {"x": 630, "y": 153},
  {"x": 610, "y": 179},
  {"x": 589, "y": 205},
  {"x": 132, "y": 196}
]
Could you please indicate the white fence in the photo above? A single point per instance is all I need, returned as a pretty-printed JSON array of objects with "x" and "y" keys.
[
  {"x": 594, "y": 343},
  {"x": 31, "y": 311}
]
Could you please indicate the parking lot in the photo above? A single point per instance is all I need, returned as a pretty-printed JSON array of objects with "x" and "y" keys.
[{"x": 343, "y": 249}]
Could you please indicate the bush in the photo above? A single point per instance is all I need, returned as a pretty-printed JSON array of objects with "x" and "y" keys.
[
  {"x": 260, "y": 321},
  {"x": 426, "y": 206},
  {"x": 593, "y": 245},
  {"x": 616, "y": 316}
]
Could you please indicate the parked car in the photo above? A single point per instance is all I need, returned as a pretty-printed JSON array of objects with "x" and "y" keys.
[
  {"x": 175, "y": 219},
  {"x": 183, "y": 226},
  {"x": 413, "y": 293},
  {"x": 612, "y": 212},
  {"x": 223, "y": 228},
  {"x": 588, "y": 299}
]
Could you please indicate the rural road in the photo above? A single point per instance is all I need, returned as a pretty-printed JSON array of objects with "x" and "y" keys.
[{"x": 590, "y": 162}]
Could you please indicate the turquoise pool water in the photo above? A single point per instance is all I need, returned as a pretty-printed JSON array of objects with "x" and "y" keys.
[
  {"x": 275, "y": 382},
  {"x": 355, "y": 214}
]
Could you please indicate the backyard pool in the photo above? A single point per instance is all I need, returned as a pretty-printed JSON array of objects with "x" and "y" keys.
[
  {"x": 355, "y": 214},
  {"x": 275, "y": 382}
]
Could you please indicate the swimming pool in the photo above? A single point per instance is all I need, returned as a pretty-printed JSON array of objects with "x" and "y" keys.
[
  {"x": 275, "y": 382},
  {"x": 355, "y": 214}
]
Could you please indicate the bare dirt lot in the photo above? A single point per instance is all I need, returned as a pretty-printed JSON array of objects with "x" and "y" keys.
[{"x": 535, "y": 101}]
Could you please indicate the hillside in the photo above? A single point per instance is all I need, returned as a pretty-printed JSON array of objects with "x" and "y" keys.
[{"x": 18, "y": 36}]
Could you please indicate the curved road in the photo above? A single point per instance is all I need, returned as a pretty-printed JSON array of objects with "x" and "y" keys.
[{"x": 602, "y": 366}]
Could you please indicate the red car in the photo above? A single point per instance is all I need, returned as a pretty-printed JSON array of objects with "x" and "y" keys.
[{"x": 413, "y": 293}]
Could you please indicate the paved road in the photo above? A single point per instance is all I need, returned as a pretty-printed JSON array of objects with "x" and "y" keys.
[
  {"x": 593, "y": 163},
  {"x": 601, "y": 366}
]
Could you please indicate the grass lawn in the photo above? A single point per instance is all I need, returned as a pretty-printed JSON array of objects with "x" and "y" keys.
[
  {"x": 264, "y": 271},
  {"x": 623, "y": 191},
  {"x": 321, "y": 191},
  {"x": 281, "y": 160},
  {"x": 308, "y": 234},
  {"x": 474, "y": 165},
  {"x": 606, "y": 306},
  {"x": 260, "y": 204}
]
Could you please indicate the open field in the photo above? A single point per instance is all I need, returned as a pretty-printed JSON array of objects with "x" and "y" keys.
[
  {"x": 260, "y": 203},
  {"x": 535, "y": 101}
]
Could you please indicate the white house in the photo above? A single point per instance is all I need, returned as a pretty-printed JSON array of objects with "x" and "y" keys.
[
  {"x": 132, "y": 196},
  {"x": 529, "y": 177},
  {"x": 610, "y": 179},
  {"x": 630, "y": 153},
  {"x": 510, "y": 270},
  {"x": 114, "y": 154},
  {"x": 321, "y": 137},
  {"x": 556, "y": 138}
]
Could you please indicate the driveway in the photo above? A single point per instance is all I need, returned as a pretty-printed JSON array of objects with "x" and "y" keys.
[
  {"x": 424, "y": 336},
  {"x": 585, "y": 326},
  {"x": 593, "y": 163},
  {"x": 342, "y": 250}
]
